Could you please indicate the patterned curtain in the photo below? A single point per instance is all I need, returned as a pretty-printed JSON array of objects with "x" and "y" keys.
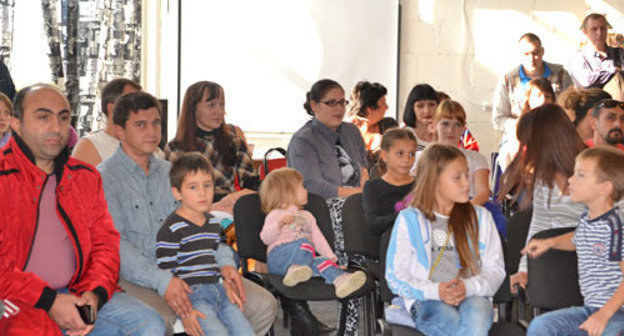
[
  {"x": 6, "y": 30},
  {"x": 91, "y": 43}
]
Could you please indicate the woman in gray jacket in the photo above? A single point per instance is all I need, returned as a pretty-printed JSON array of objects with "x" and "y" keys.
[{"x": 331, "y": 156}]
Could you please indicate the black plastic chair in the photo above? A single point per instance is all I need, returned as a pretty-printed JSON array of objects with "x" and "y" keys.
[
  {"x": 249, "y": 220},
  {"x": 358, "y": 241},
  {"x": 553, "y": 277},
  {"x": 502, "y": 299}
]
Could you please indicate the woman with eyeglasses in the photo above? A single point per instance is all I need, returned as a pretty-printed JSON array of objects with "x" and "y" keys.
[
  {"x": 331, "y": 156},
  {"x": 202, "y": 128}
]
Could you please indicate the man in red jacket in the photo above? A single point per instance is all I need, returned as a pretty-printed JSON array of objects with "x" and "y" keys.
[{"x": 58, "y": 246}]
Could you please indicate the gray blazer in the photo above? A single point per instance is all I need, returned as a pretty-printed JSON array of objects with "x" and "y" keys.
[{"x": 311, "y": 151}]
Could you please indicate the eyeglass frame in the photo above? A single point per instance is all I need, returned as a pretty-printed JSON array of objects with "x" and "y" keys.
[{"x": 334, "y": 103}]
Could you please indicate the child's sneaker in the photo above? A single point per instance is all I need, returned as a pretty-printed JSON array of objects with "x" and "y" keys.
[
  {"x": 296, "y": 274},
  {"x": 348, "y": 283}
]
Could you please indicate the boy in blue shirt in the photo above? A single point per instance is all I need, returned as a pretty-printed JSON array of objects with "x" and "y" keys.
[
  {"x": 598, "y": 182},
  {"x": 187, "y": 243}
]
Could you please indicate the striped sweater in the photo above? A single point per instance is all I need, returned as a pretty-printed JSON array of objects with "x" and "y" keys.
[
  {"x": 551, "y": 210},
  {"x": 188, "y": 250}
]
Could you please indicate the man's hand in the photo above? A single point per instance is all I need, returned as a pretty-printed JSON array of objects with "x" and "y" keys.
[
  {"x": 234, "y": 299},
  {"x": 65, "y": 314},
  {"x": 176, "y": 296},
  {"x": 226, "y": 204},
  {"x": 191, "y": 323},
  {"x": 89, "y": 298},
  {"x": 234, "y": 280},
  {"x": 520, "y": 278},
  {"x": 596, "y": 323}
]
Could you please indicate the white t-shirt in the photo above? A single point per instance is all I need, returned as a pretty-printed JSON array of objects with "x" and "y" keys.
[{"x": 476, "y": 161}]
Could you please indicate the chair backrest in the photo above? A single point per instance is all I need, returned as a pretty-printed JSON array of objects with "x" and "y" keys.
[
  {"x": 357, "y": 239},
  {"x": 553, "y": 277},
  {"x": 517, "y": 231},
  {"x": 269, "y": 165},
  {"x": 375, "y": 171},
  {"x": 385, "y": 294},
  {"x": 249, "y": 219}
]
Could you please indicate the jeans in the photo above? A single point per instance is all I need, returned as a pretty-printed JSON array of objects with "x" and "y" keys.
[
  {"x": 301, "y": 252},
  {"x": 222, "y": 317},
  {"x": 567, "y": 321},
  {"x": 124, "y": 315},
  {"x": 473, "y": 316}
]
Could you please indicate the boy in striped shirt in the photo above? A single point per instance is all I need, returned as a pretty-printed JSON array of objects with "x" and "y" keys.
[
  {"x": 598, "y": 182},
  {"x": 186, "y": 245}
]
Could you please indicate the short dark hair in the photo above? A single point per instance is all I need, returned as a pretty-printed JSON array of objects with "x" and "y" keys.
[
  {"x": 188, "y": 163},
  {"x": 133, "y": 102},
  {"x": 418, "y": 93},
  {"x": 113, "y": 89},
  {"x": 365, "y": 95},
  {"x": 594, "y": 16},
  {"x": 531, "y": 38},
  {"x": 318, "y": 90},
  {"x": 605, "y": 103},
  {"x": 20, "y": 96}
]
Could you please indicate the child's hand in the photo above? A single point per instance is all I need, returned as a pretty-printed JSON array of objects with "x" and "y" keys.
[
  {"x": 191, "y": 324},
  {"x": 521, "y": 278},
  {"x": 452, "y": 292},
  {"x": 596, "y": 323},
  {"x": 231, "y": 293},
  {"x": 287, "y": 220},
  {"x": 537, "y": 247}
]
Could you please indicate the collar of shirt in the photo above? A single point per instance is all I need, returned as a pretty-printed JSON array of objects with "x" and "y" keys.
[
  {"x": 127, "y": 163},
  {"x": 525, "y": 79},
  {"x": 327, "y": 132}
]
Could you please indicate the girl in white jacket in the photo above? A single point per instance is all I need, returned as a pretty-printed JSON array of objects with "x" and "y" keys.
[{"x": 445, "y": 258}]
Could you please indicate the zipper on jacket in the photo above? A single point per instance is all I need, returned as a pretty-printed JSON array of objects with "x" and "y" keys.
[
  {"x": 75, "y": 236},
  {"x": 36, "y": 224}
]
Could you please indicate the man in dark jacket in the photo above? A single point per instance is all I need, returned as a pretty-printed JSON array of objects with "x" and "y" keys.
[{"x": 58, "y": 246}]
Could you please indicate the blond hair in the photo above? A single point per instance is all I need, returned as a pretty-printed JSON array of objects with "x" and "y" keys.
[
  {"x": 279, "y": 189},
  {"x": 450, "y": 109},
  {"x": 609, "y": 167},
  {"x": 463, "y": 222}
]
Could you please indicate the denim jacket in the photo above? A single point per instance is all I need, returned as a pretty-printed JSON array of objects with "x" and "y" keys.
[{"x": 139, "y": 204}]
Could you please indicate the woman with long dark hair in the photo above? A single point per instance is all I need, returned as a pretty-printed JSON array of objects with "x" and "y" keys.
[
  {"x": 538, "y": 174},
  {"x": 202, "y": 128}
]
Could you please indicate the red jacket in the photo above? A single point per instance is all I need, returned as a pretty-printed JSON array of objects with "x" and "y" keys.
[{"x": 82, "y": 208}]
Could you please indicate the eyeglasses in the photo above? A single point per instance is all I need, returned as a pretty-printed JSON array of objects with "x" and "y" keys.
[
  {"x": 609, "y": 103},
  {"x": 334, "y": 103}
]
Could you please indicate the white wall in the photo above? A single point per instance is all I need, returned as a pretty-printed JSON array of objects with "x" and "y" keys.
[{"x": 463, "y": 47}]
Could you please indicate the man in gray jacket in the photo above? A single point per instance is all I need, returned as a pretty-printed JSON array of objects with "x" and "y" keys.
[{"x": 509, "y": 94}]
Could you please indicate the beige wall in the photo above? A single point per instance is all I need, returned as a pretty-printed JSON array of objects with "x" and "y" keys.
[
  {"x": 460, "y": 47},
  {"x": 463, "y": 47}
]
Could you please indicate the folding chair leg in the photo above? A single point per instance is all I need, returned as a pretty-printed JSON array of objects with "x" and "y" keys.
[{"x": 343, "y": 318}]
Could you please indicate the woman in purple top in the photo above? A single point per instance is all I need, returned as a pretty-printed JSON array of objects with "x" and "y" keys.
[{"x": 6, "y": 111}]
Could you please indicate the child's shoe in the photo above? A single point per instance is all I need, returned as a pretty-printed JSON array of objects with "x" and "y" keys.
[
  {"x": 296, "y": 274},
  {"x": 348, "y": 283}
]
